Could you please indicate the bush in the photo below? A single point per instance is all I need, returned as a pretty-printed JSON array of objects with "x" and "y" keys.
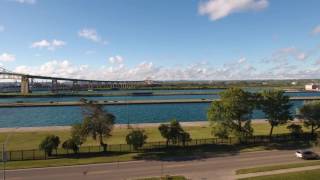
[
  {"x": 295, "y": 129},
  {"x": 136, "y": 138},
  {"x": 174, "y": 133},
  {"x": 220, "y": 131},
  {"x": 71, "y": 144},
  {"x": 184, "y": 137},
  {"x": 49, "y": 143}
]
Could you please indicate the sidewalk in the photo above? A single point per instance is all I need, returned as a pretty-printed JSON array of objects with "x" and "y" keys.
[{"x": 280, "y": 171}]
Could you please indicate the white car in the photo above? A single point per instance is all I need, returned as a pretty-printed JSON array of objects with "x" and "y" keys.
[{"x": 306, "y": 154}]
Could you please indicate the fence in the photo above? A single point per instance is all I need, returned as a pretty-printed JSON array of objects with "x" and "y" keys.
[{"x": 36, "y": 154}]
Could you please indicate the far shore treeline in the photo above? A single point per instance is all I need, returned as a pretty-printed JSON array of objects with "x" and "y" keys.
[{"x": 230, "y": 117}]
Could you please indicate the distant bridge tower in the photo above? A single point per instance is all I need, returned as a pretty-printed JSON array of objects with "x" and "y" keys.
[{"x": 25, "y": 85}]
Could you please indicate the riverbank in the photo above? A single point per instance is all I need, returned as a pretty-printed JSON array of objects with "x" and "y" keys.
[
  {"x": 105, "y": 94},
  {"x": 133, "y": 92},
  {"x": 30, "y": 137},
  {"x": 139, "y": 125},
  {"x": 63, "y": 128},
  {"x": 130, "y": 102}
]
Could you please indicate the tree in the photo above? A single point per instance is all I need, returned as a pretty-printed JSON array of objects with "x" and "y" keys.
[
  {"x": 184, "y": 137},
  {"x": 136, "y": 138},
  {"x": 71, "y": 144},
  {"x": 310, "y": 113},
  {"x": 233, "y": 111},
  {"x": 276, "y": 107},
  {"x": 220, "y": 131},
  {"x": 173, "y": 133},
  {"x": 78, "y": 134},
  {"x": 97, "y": 122},
  {"x": 295, "y": 129},
  {"x": 49, "y": 143}
]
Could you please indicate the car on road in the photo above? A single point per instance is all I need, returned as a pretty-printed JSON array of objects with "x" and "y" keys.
[{"x": 306, "y": 154}]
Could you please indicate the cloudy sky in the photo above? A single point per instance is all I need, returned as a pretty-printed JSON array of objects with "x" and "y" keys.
[{"x": 162, "y": 40}]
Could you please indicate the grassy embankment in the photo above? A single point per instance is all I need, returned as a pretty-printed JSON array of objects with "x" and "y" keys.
[
  {"x": 30, "y": 140},
  {"x": 277, "y": 167},
  {"x": 165, "y": 178},
  {"x": 96, "y": 94},
  {"x": 305, "y": 175}
]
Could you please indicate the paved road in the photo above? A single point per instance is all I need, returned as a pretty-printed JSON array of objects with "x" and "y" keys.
[{"x": 220, "y": 167}]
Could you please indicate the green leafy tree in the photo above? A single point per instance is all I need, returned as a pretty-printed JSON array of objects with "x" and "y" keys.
[
  {"x": 295, "y": 129},
  {"x": 71, "y": 144},
  {"x": 49, "y": 143},
  {"x": 137, "y": 138},
  {"x": 233, "y": 111},
  {"x": 78, "y": 134},
  {"x": 310, "y": 113},
  {"x": 220, "y": 131},
  {"x": 276, "y": 106},
  {"x": 173, "y": 133},
  {"x": 184, "y": 137},
  {"x": 97, "y": 122}
]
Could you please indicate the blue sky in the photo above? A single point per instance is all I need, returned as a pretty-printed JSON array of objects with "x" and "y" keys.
[{"x": 167, "y": 39}]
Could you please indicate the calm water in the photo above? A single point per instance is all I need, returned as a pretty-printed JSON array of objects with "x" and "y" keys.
[{"x": 50, "y": 116}]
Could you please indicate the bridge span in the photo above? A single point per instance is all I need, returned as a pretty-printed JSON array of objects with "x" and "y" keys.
[{"x": 60, "y": 83}]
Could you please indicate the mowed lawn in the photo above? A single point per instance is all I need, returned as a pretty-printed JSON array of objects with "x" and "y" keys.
[
  {"x": 30, "y": 140},
  {"x": 301, "y": 175}
]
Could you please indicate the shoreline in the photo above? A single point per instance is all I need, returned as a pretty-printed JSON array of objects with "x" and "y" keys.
[{"x": 138, "y": 125}]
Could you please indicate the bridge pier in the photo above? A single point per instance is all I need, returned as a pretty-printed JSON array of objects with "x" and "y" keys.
[
  {"x": 74, "y": 85},
  {"x": 24, "y": 86},
  {"x": 90, "y": 85},
  {"x": 54, "y": 86}
]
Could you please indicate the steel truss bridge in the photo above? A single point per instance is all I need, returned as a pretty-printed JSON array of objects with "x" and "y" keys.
[{"x": 56, "y": 84}]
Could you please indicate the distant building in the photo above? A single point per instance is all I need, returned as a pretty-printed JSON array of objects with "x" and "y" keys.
[
  {"x": 312, "y": 87},
  {"x": 294, "y": 83}
]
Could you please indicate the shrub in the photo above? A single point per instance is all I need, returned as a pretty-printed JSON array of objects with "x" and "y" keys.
[
  {"x": 49, "y": 143},
  {"x": 220, "y": 131},
  {"x": 295, "y": 129},
  {"x": 71, "y": 144},
  {"x": 136, "y": 138},
  {"x": 174, "y": 133}
]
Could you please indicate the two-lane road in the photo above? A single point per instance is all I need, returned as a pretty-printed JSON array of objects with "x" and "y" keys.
[{"x": 220, "y": 167}]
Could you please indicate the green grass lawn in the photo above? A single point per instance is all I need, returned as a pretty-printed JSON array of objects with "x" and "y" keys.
[
  {"x": 30, "y": 140},
  {"x": 70, "y": 161},
  {"x": 277, "y": 167},
  {"x": 194, "y": 152},
  {"x": 165, "y": 178},
  {"x": 302, "y": 175}
]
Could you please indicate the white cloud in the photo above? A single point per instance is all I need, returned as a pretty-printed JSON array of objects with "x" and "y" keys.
[
  {"x": 2, "y": 28},
  {"x": 57, "y": 68},
  {"x": 217, "y": 9},
  {"x": 316, "y": 30},
  {"x": 242, "y": 60},
  {"x": 6, "y": 57},
  {"x": 25, "y": 1},
  {"x": 116, "y": 60},
  {"x": 285, "y": 54},
  {"x": 116, "y": 69},
  {"x": 54, "y": 44},
  {"x": 92, "y": 35},
  {"x": 145, "y": 70}
]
